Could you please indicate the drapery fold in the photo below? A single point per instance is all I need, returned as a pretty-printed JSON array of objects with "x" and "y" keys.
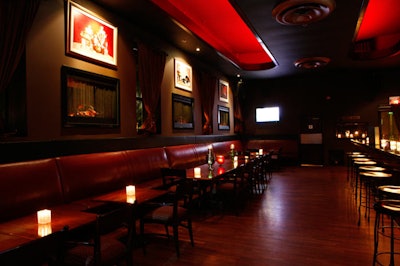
[
  {"x": 151, "y": 72},
  {"x": 237, "y": 108},
  {"x": 16, "y": 19},
  {"x": 207, "y": 84}
]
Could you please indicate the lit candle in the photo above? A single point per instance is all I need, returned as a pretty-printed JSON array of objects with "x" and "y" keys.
[
  {"x": 130, "y": 199},
  {"x": 44, "y": 216},
  {"x": 232, "y": 146},
  {"x": 220, "y": 159},
  {"x": 44, "y": 229},
  {"x": 246, "y": 159},
  {"x": 235, "y": 159},
  {"x": 261, "y": 151},
  {"x": 130, "y": 190},
  {"x": 197, "y": 172}
]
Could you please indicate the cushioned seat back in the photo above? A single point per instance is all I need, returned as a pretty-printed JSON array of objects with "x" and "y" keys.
[
  {"x": 87, "y": 175},
  {"x": 146, "y": 164},
  {"x": 224, "y": 147},
  {"x": 182, "y": 156},
  {"x": 27, "y": 187}
]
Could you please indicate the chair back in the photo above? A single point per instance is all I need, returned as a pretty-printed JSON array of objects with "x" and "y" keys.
[
  {"x": 171, "y": 176},
  {"x": 121, "y": 217},
  {"x": 183, "y": 195}
]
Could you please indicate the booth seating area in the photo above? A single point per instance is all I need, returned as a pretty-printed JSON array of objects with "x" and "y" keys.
[
  {"x": 33, "y": 185},
  {"x": 68, "y": 184}
]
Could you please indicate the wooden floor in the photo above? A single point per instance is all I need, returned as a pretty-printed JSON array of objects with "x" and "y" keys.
[{"x": 307, "y": 216}]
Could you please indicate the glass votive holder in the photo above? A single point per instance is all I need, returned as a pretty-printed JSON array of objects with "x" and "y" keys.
[
  {"x": 220, "y": 159},
  {"x": 130, "y": 190},
  {"x": 130, "y": 199},
  {"x": 44, "y": 229},
  {"x": 197, "y": 172},
  {"x": 44, "y": 216},
  {"x": 260, "y": 151}
]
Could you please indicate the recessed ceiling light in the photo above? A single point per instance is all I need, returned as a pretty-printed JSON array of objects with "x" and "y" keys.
[{"x": 197, "y": 49}]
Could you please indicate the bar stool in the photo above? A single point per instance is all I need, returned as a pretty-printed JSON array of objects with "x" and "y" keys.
[
  {"x": 358, "y": 162},
  {"x": 390, "y": 208},
  {"x": 388, "y": 192},
  {"x": 350, "y": 156},
  {"x": 369, "y": 181}
]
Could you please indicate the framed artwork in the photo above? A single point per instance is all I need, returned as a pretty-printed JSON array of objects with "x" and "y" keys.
[
  {"x": 223, "y": 118},
  {"x": 223, "y": 91},
  {"x": 182, "y": 112},
  {"x": 183, "y": 75},
  {"x": 89, "y": 99},
  {"x": 90, "y": 38}
]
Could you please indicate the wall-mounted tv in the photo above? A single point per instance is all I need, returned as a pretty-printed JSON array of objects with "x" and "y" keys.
[{"x": 267, "y": 114}]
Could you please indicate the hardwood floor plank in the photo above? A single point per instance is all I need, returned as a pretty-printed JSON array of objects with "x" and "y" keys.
[{"x": 307, "y": 216}]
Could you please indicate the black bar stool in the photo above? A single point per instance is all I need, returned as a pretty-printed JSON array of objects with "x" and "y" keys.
[
  {"x": 391, "y": 209},
  {"x": 369, "y": 181}
]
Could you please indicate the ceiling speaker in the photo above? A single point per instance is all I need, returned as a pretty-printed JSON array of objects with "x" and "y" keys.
[
  {"x": 312, "y": 62},
  {"x": 302, "y": 12}
]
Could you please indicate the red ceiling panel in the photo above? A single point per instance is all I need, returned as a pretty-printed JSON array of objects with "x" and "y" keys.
[
  {"x": 381, "y": 17},
  {"x": 221, "y": 27}
]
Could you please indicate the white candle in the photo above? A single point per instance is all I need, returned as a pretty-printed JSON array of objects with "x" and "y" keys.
[
  {"x": 261, "y": 151},
  {"x": 44, "y": 229},
  {"x": 197, "y": 172},
  {"x": 235, "y": 159},
  {"x": 44, "y": 216},
  {"x": 130, "y": 190},
  {"x": 232, "y": 146},
  {"x": 130, "y": 199}
]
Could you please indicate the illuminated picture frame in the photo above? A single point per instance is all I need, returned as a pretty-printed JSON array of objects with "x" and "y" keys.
[
  {"x": 223, "y": 118},
  {"x": 182, "y": 112},
  {"x": 90, "y": 38},
  {"x": 223, "y": 91},
  {"x": 89, "y": 99},
  {"x": 183, "y": 75}
]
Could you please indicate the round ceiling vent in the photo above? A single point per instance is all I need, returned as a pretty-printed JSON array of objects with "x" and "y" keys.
[
  {"x": 302, "y": 12},
  {"x": 312, "y": 62}
]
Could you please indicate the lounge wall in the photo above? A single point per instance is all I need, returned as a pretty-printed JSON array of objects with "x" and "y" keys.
[{"x": 45, "y": 54}]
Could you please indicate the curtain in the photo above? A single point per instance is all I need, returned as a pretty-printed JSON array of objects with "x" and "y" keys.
[
  {"x": 237, "y": 108},
  {"x": 16, "y": 19},
  {"x": 151, "y": 72},
  {"x": 207, "y": 87}
]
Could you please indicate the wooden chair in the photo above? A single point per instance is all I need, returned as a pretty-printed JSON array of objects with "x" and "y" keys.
[
  {"x": 172, "y": 213},
  {"x": 171, "y": 176},
  {"x": 232, "y": 188},
  {"x": 110, "y": 243}
]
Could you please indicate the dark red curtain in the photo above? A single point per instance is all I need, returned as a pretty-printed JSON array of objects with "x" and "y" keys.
[
  {"x": 151, "y": 72},
  {"x": 16, "y": 18},
  {"x": 207, "y": 85},
  {"x": 237, "y": 108}
]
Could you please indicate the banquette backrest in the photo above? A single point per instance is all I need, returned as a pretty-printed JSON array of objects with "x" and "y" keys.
[
  {"x": 145, "y": 165},
  {"x": 27, "y": 187},
  {"x": 224, "y": 147},
  {"x": 182, "y": 156},
  {"x": 87, "y": 175}
]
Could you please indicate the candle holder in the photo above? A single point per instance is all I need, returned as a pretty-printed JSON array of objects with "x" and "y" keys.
[
  {"x": 210, "y": 161},
  {"x": 220, "y": 159}
]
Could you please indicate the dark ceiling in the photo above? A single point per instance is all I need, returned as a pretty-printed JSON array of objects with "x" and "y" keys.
[{"x": 330, "y": 37}]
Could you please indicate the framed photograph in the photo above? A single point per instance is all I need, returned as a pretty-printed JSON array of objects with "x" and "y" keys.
[
  {"x": 223, "y": 118},
  {"x": 183, "y": 75},
  {"x": 90, "y": 38},
  {"x": 182, "y": 112},
  {"x": 223, "y": 91},
  {"x": 89, "y": 99}
]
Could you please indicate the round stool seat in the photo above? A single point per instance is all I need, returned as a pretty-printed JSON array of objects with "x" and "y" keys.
[
  {"x": 390, "y": 208},
  {"x": 372, "y": 168},
  {"x": 389, "y": 191},
  {"x": 376, "y": 174}
]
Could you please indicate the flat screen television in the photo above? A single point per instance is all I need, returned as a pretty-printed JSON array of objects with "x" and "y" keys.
[{"x": 267, "y": 114}]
